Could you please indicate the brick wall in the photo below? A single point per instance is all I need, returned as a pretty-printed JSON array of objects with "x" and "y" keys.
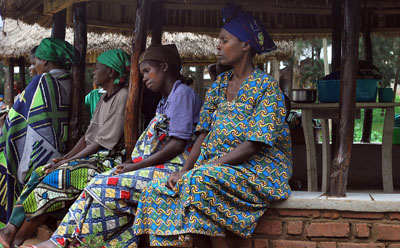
[{"x": 290, "y": 228}]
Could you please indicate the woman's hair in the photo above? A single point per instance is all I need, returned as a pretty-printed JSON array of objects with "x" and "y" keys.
[{"x": 33, "y": 50}]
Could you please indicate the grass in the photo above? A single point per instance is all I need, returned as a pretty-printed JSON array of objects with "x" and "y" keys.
[{"x": 377, "y": 124}]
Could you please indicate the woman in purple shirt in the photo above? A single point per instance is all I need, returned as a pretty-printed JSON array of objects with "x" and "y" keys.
[{"x": 106, "y": 208}]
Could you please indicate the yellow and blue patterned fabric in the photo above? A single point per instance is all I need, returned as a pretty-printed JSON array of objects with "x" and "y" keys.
[
  {"x": 106, "y": 208},
  {"x": 213, "y": 198},
  {"x": 34, "y": 132}
]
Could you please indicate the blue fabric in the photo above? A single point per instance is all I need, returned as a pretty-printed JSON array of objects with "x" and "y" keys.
[
  {"x": 182, "y": 107},
  {"x": 247, "y": 29}
]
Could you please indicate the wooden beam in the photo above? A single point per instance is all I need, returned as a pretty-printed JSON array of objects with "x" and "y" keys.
[
  {"x": 78, "y": 74},
  {"x": 21, "y": 64},
  {"x": 156, "y": 22},
  {"x": 337, "y": 18},
  {"x": 133, "y": 105},
  {"x": 349, "y": 63},
  {"x": 366, "y": 32},
  {"x": 55, "y": 6},
  {"x": 59, "y": 25},
  {"x": 9, "y": 82}
]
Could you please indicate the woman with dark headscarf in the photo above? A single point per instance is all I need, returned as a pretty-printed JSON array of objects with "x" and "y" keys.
[
  {"x": 36, "y": 127},
  {"x": 53, "y": 187},
  {"x": 106, "y": 208},
  {"x": 241, "y": 160}
]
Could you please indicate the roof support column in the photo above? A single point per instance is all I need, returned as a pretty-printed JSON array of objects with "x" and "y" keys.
[
  {"x": 133, "y": 104},
  {"x": 9, "y": 83},
  {"x": 156, "y": 22},
  {"x": 366, "y": 31},
  {"x": 78, "y": 74},
  {"x": 337, "y": 18},
  {"x": 21, "y": 64},
  {"x": 349, "y": 64},
  {"x": 59, "y": 24}
]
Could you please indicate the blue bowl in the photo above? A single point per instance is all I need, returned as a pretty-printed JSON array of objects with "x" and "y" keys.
[{"x": 329, "y": 90}]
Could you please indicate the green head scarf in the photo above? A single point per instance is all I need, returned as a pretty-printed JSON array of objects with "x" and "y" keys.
[
  {"x": 57, "y": 50},
  {"x": 119, "y": 61}
]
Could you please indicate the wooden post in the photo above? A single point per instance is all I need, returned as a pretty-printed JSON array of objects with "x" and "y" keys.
[
  {"x": 21, "y": 64},
  {"x": 133, "y": 104},
  {"x": 156, "y": 22},
  {"x": 9, "y": 83},
  {"x": 349, "y": 64},
  {"x": 366, "y": 31},
  {"x": 275, "y": 72},
  {"x": 337, "y": 18},
  {"x": 325, "y": 50},
  {"x": 78, "y": 74},
  {"x": 59, "y": 24},
  {"x": 200, "y": 81}
]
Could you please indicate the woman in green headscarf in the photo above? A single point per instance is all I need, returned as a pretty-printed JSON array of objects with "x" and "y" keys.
[
  {"x": 36, "y": 128},
  {"x": 52, "y": 187}
]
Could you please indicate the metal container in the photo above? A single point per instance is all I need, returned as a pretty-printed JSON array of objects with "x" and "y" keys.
[{"x": 304, "y": 95}]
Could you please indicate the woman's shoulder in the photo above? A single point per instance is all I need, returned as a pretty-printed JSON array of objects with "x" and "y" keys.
[
  {"x": 265, "y": 77},
  {"x": 184, "y": 89}
]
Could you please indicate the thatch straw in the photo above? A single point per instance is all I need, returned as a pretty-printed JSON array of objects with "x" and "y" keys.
[{"x": 18, "y": 38}]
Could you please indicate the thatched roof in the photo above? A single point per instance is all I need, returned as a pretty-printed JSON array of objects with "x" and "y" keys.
[
  {"x": 283, "y": 18},
  {"x": 18, "y": 38}
]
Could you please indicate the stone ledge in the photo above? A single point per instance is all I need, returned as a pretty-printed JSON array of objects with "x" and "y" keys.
[{"x": 357, "y": 202}]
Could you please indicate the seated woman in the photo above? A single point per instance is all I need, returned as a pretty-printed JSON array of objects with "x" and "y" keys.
[
  {"x": 241, "y": 160},
  {"x": 55, "y": 186},
  {"x": 36, "y": 127},
  {"x": 106, "y": 208}
]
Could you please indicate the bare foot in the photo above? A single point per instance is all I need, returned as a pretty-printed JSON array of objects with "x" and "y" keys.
[{"x": 7, "y": 235}]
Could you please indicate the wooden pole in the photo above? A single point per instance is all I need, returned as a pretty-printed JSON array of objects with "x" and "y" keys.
[
  {"x": 337, "y": 18},
  {"x": 21, "y": 64},
  {"x": 200, "y": 81},
  {"x": 325, "y": 50},
  {"x": 9, "y": 84},
  {"x": 366, "y": 31},
  {"x": 156, "y": 22},
  {"x": 349, "y": 64},
  {"x": 133, "y": 104},
  {"x": 59, "y": 24},
  {"x": 78, "y": 73}
]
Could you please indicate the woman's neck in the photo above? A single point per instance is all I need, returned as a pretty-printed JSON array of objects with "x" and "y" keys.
[
  {"x": 243, "y": 69},
  {"x": 110, "y": 88},
  {"x": 169, "y": 84}
]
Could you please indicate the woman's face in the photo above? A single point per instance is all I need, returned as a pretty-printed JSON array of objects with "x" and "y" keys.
[
  {"x": 32, "y": 70},
  {"x": 230, "y": 48},
  {"x": 153, "y": 74},
  {"x": 101, "y": 74},
  {"x": 40, "y": 66}
]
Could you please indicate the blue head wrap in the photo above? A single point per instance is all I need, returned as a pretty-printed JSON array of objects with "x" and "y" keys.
[{"x": 247, "y": 29}]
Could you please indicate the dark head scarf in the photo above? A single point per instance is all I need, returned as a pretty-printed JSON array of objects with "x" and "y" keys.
[
  {"x": 247, "y": 29},
  {"x": 119, "y": 60},
  {"x": 56, "y": 50},
  {"x": 162, "y": 53}
]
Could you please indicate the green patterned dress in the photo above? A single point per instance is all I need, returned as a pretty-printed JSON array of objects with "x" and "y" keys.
[
  {"x": 34, "y": 132},
  {"x": 212, "y": 198}
]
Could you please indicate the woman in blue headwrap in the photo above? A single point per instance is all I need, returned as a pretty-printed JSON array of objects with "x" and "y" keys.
[{"x": 241, "y": 160}]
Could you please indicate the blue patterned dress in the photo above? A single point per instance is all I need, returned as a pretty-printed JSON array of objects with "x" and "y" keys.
[{"x": 213, "y": 198}]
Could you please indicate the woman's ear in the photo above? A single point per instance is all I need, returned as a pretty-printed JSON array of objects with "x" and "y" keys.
[
  {"x": 246, "y": 46},
  {"x": 164, "y": 67},
  {"x": 112, "y": 73}
]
